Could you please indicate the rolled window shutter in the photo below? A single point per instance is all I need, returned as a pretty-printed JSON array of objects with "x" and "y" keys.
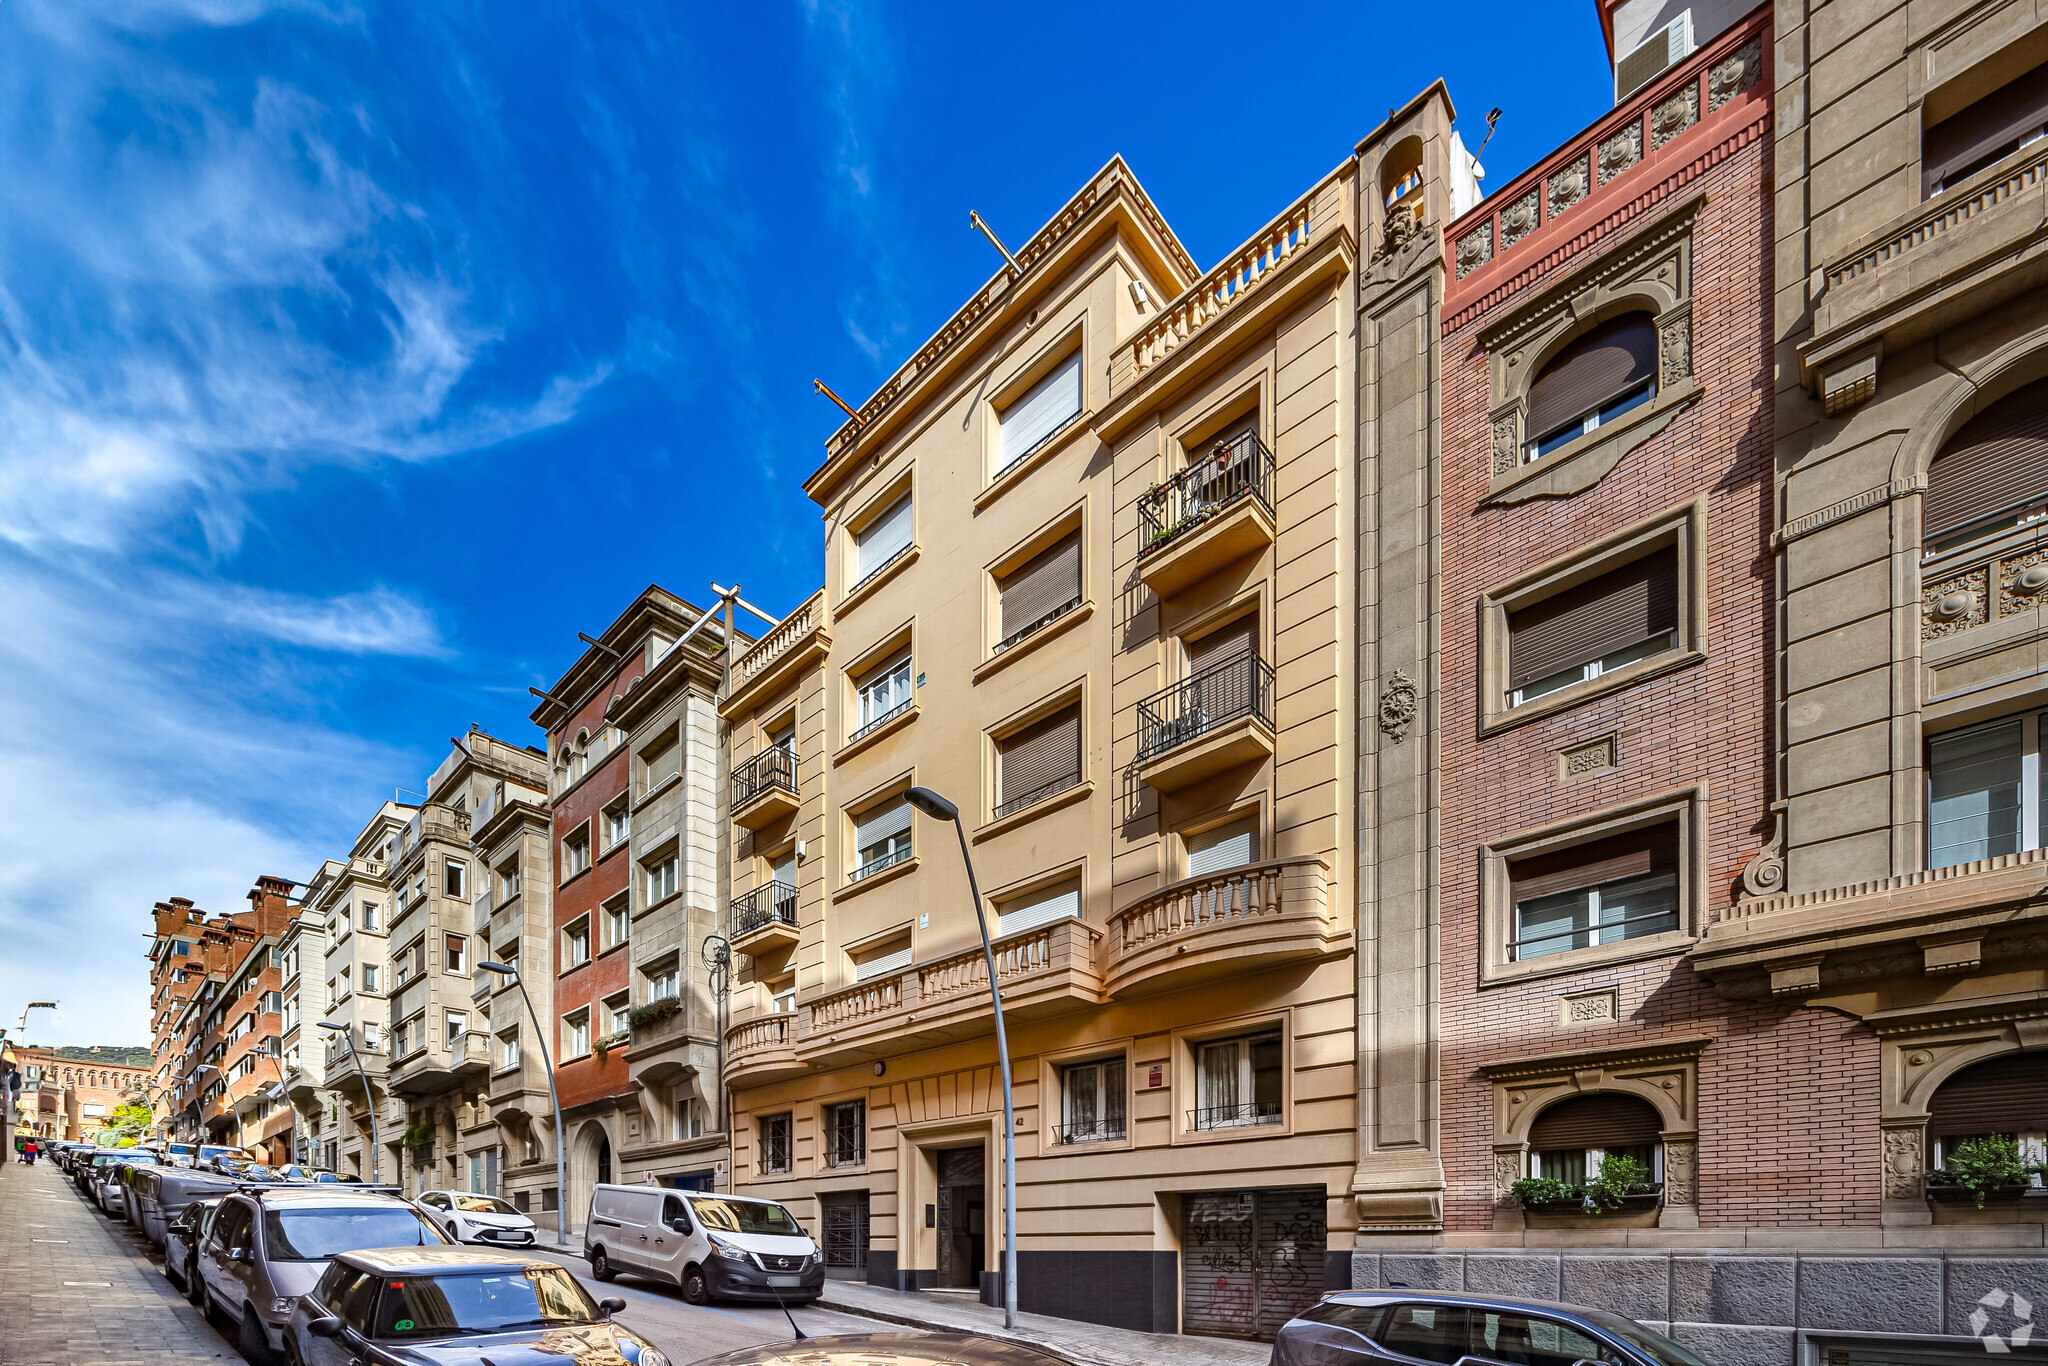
[
  {"x": 1222, "y": 646},
  {"x": 2004, "y": 116},
  {"x": 2002, "y": 1095},
  {"x": 1048, "y": 582},
  {"x": 1041, "y": 908},
  {"x": 1049, "y": 406},
  {"x": 1998, "y": 460},
  {"x": 1596, "y": 618},
  {"x": 1653, "y": 849},
  {"x": 1041, "y": 756},
  {"x": 1229, "y": 846},
  {"x": 1614, "y": 356},
  {"x": 877, "y": 825},
  {"x": 884, "y": 537},
  {"x": 1603, "y": 1120},
  {"x": 895, "y": 960}
]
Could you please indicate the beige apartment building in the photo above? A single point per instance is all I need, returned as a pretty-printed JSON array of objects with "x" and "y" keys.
[
  {"x": 302, "y": 954},
  {"x": 1085, "y": 557},
  {"x": 351, "y": 899}
]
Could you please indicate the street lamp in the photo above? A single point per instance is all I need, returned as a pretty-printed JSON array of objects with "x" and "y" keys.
[
  {"x": 225, "y": 1087},
  {"x": 33, "y": 1005},
  {"x": 938, "y": 808},
  {"x": 548, "y": 1066},
  {"x": 348, "y": 1037}
]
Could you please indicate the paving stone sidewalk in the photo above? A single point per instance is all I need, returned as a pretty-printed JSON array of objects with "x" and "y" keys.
[{"x": 76, "y": 1288}]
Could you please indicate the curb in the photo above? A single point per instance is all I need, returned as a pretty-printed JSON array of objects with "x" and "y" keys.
[{"x": 996, "y": 1334}]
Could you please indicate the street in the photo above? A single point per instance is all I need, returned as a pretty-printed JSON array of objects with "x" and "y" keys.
[{"x": 80, "y": 1289}]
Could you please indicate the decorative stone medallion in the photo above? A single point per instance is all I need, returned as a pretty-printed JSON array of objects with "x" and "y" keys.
[
  {"x": 1673, "y": 115},
  {"x": 1621, "y": 151},
  {"x": 1518, "y": 220},
  {"x": 1589, "y": 1007},
  {"x": 1953, "y": 604},
  {"x": 1674, "y": 350},
  {"x": 1398, "y": 706},
  {"x": 1583, "y": 760},
  {"x": 1570, "y": 185},
  {"x": 2020, "y": 582},
  {"x": 1475, "y": 249},
  {"x": 1734, "y": 74},
  {"x": 1506, "y": 443}
]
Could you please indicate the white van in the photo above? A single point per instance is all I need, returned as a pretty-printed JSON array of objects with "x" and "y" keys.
[{"x": 713, "y": 1246}]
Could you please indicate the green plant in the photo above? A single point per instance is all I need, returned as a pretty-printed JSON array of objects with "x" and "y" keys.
[
  {"x": 654, "y": 1012},
  {"x": 1546, "y": 1190},
  {"x": 1983, "y": 1165},
  {"x": 417, "y": 1136},
  {"x": 1619, "y": 1177}
]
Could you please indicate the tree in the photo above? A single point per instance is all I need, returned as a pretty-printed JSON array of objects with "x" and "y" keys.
[{"x": 129, "y": 1121}]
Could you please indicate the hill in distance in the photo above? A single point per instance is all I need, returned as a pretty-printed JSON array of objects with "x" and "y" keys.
[{"x": 114, "y": 1055}]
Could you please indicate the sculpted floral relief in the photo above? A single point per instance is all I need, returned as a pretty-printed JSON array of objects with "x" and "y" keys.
[
  {"x": 1475, "y": 249},
  {"x": 1674, "y": 115},
  {"x": 1518, "y": 220},
  {"x": 1570, "y": 185},
  {"x": 1620, "y": 152},
  {"x": 1734, "y": 74}
]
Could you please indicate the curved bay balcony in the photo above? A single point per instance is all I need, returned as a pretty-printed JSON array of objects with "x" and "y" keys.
[
  {"x": 764, "y": 789},
  {"x": 762, "y": 1050},
  {"x": 1213, "y": 513},
  {"x": 1238, "y": 920},
  {"x": 765, "y": 919},
  {"x": 1220, "y": 718}
]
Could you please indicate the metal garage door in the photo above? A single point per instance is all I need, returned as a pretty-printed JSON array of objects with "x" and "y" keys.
[{"x": 1250, "y": 1260}]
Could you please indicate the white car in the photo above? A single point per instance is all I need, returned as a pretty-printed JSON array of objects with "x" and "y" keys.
[{"x": 471, "y": 1218}]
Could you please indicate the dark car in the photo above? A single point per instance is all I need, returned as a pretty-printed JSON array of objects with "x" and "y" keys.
[
  {"x": 1403, "y": 1328},
  {"x": 454, "y": 1306},
  {"x": 182, "y": 1235},
  {"x": 864, "y": 1349}
]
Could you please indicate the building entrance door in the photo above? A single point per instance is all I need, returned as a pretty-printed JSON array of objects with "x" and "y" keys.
[
  {"x": 846, "y": 1235},
  {"x": 962, "y": 1217},
  {"x": 1250, "y": 1260}
]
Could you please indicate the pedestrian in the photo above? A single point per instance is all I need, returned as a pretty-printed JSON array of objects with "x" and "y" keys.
[{"x": 28, "y": 1152}]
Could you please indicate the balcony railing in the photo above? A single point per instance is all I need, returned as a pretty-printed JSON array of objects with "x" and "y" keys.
[
  {"x": 1235, "y": 1116},
  {"x": 1215, "y": 697},
  {"x": 773, "y": 903},
  {"x": 1218, "y": 481},
  {"x": 770, "y": 769},
  {"x": 880, "y": 721}
]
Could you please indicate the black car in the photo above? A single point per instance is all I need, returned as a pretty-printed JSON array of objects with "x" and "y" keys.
[
  {"x": 1418, "y": 1328},
  {"x": 457, "y": 1306}
]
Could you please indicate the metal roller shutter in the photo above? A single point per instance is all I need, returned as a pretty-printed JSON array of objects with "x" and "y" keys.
[
  {"x": 1651, "y": 850},
  {"x": 1613, "y": 357},
  {"x": 1997, "y": 461},
  {"x": 1606, "y": 1120},
  {"x": 1250, "y": 1260},
  {"x": 1291, "y": 1237},
  {"x": 2001, "y": 118},
  {"x": 1047, "y": 583},
  {"x": 2004, "y": 1095},
  {"x": 1041, "y": 758},
  {"x": 1223, "y": 645},
  {"x": 1598, "y": 617}
]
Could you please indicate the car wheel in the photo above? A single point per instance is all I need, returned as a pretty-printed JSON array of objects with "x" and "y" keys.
[
  {"x": 252, "y": 1341},
  {"x": 601, "y": 1265},
  {"x": 291, "y": 1350},
  {"x": 209, "y": 1308},
  {"x": 696, "y": 1289},
  {"x": 193, "y": 1289}
]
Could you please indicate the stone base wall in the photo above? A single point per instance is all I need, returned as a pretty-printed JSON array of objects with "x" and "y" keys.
[{"x": 1738, "y": 1308}]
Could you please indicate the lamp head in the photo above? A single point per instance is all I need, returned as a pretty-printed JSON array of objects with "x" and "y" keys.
[
  {"x": 502, "y": 969},
  {"x": 932, "y": 804},
  {"x": 331, "y": 1027}
]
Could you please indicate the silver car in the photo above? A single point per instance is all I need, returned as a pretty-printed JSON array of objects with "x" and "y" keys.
[
  {"x": 266, "y": 1247},
  {"x": 1420, "y": 1327},
  {"x": 182, "y": 1236},
  {"x": 103, "y": 1178}
]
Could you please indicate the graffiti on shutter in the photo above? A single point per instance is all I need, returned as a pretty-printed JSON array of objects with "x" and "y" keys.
[
  {"x": 1250, "y": 1260},
  {"x": 1291, "y": 1237}
]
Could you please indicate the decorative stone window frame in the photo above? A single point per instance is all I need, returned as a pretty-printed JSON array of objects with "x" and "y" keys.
[
  {"x": 1921, "y": 1047},
  {"x": 1650, "y": 272},
  {"x": 1687, "y": 805},
  {"x": 1664, "y": 1072},
  {"x": 1683, "y": 527}
]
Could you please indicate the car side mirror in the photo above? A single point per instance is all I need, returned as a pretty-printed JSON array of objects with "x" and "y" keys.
[
  {"x": 326, "y": 1326},
  {"x": 612, "y": 1304}
]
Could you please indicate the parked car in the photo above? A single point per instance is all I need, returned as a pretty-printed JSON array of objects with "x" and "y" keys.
[
  {"x": 265, "y": 1248},
  {"x": 112, "y": 1192},
  {"x": 1400, "y": 1327},
  {"x": 713, "y": 1246},
  {"x": 467, "y": 1217},
  {"x": 159, "y": 1194},
  {"x": 100, "y": 1171},
  {"x": 857, "y": 1349},
  {"x": 292, "y": 1171},
  {"x": 182, "y": 1235},
  {"x": 504, "y": 1308}
]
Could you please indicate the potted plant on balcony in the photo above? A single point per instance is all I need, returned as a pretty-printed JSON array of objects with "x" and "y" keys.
[
  {"x": 603, "y": 1047},
  {"x": 654, "y": 1012},
  {"x": 1980, "y": 1171},
  {"x": 1622, "y": 1191},
  {"x": 418, "y": 1137}
]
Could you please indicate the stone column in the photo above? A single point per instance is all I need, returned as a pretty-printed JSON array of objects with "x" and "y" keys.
[
  {"x": 1681, "y": 1179},
  {"x": 1905, "y": 1174}
]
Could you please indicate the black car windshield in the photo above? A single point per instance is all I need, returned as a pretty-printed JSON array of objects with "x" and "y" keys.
[
  {"x": 746, "y": 1216},
  {"x": 437, "y": 1306},
  {"x": 314, "y": 1235},
  {"x": 1647, "y": 1341}
]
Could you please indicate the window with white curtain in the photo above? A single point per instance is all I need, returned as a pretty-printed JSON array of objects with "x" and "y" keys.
[
  {"x": 884, "y": 693},
  {"x": 1043, "y": 412},
  {"x": 881, "y": 540},
  {"x": 1237, "y": 1082},
  {"x": 1092, "y": 1101}
]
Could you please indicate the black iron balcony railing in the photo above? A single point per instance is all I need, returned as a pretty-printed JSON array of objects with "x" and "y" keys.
[
  {"x": 881, "y": 720},
  {"x": 771, "y": 768},
  {"x": 1100, "y": 1131},
  {"x": 773, "y": 903},
  {"x": 1039, "y": 794},
  {"x": 1213, "y": 698},
  {"x": 1235, "y": 1116},
  {"x": 1213, "y": 484}
]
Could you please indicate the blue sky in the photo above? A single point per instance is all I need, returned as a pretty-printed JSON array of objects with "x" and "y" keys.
[{"x": 355, "y": 357}]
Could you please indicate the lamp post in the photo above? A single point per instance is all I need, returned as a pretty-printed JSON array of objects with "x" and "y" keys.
[
  {"x": 938, "y": 808},
  {"x": 226, "y": 1086},
  {"x": 718, "y": 976},
  {"x": 548, "y": 1066},
  {"x": 348, "y": 1036}
]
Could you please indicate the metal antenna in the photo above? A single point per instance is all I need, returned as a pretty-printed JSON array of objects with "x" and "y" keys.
[{"x": 997, "y": 242}]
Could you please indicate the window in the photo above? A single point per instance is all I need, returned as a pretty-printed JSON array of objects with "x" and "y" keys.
[
  {"x": 453, "y": 1024},
  {"x": 661, "y": 761},
  {"x": 663, "y": 877},
  {"x": 576, "y": 1034},
  {"x": 1526, "y": 1341},
  {"x": 775, "y": 1144},
  {"x": 1622, "y": 887},
  {"x": 884, "y": 693},
  {"x": 455, "y": 953},
  {"x": 1041, "y": 414},
  {"x": 686, "y": 1115},
  {"x": 1042, "y": 907},
  {"x": 1569, "y": 1140},
  {"x": 617, "y": 1014},
  {"x": 343, "y": 979},
  {"x": 1426, "y": 1332},
  {"x": 369, "y": 977},
  {"x": 575, "y": 852},
  {"x": 576, "y": 944},
  {"x": 846, "y": 1134},
  {"x": 618, "y": 824},
  {"x": 663, "y": 982},
  {"x": 1040, "y": 591},
  {"x": 1237, "y": 1082},
  {"x": 1039, "y": 761},
  {"x": 508, "y": 1050},
  {"x": 1223, "y": 847},
  {"x": 1092, "y": 1101},
  {"x": 881, "y": 838},
  {"x": 370, "y": 1038},
  {"x": 618, "y": 922},
  {"x": 453, "y": 874},
  {"x": 1622, "y": 616},
  {"x": 2007, "y": 1094},
  {"x": 882, "y": 541},
  {"x": 1592, "y": 381},
  {"x": 1984, "y": 791},
  {"x": 1991, "y": 476},
  {"x": 508, "y": 882},
  {"x": 879, "y": 960},
  {"x": 1990, "y": 130}
]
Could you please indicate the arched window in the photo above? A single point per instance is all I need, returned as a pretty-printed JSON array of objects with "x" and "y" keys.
[
  {"x": 1992, "y": 475},
  {"x": 1593, "y": 380},
  {"x": 1569, "y": 1140},
  {"x": 2003, "y": 1095}
]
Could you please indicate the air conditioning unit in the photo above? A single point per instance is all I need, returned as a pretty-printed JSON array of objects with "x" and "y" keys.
[{"x": 1657, "y": 54}]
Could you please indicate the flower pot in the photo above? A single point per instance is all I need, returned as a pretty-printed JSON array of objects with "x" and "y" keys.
[
  {"x": 1956, "y": 1195},
  {"x": 1637, "y": 1210}
]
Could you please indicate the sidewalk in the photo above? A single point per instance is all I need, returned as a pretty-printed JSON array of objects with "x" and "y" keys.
[
  {"x": 76, "y": 1289},
  {"x": 1088, "y": 1343}
]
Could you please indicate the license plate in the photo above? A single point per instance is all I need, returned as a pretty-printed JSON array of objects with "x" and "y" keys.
[{"x": 785, "y": 1280}]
